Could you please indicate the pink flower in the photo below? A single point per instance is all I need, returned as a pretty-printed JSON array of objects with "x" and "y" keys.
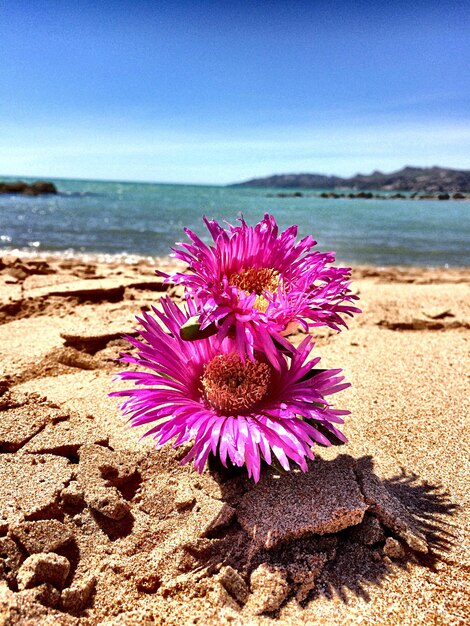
[
  {"x": 256, "y": 283},
  {"x": 240, "y": 410}
]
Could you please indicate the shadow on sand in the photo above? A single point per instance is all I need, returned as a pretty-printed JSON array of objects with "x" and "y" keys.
[
  {"x": 357, "y": 566},
  {"x": 406, "y": 506}
]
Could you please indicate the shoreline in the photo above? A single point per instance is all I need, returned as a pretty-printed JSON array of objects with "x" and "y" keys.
[{"x": 130, "y": 259}]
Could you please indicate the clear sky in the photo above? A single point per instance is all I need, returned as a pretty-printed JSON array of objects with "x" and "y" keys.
[{"x": 218, "y": 92}]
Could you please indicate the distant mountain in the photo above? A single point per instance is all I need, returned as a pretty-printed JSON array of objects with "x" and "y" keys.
[{"x": 428, "y": 179}]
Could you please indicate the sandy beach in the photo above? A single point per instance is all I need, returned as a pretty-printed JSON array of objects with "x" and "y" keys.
[{"x": 97, "y": 527}]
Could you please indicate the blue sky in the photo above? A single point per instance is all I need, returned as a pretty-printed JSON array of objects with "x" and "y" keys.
[{"x": 217, "y": 92}]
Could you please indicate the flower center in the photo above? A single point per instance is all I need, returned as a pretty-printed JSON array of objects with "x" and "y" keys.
[
  {"x": 258, "y": 280},
  {"x": 233, "y": 386}
]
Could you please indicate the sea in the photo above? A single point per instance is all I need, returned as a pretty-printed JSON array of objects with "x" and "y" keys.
[{"x": 129, "y": 221}]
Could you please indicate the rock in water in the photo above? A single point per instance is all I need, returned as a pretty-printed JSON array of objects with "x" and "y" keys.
[{"x": 34, "y": 189}]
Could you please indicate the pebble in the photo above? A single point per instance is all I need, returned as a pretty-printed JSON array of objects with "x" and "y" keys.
[{"x": 45, "y": 567}]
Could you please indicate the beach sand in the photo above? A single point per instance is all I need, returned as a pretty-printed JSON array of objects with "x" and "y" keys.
[{"x": 97, "y": 527}]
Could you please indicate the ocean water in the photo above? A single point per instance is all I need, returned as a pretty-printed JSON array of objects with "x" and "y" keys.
[{"x": 136, "y": 219}]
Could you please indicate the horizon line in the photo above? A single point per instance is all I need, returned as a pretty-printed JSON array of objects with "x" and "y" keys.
[{"x": 188, "y": 184}]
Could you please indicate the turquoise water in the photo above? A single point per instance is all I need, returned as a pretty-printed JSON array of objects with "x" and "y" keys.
[{"x": 114, "y": 218}]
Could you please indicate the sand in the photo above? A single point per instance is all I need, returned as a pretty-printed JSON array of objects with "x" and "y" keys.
[{"x": 97, "y": 527}]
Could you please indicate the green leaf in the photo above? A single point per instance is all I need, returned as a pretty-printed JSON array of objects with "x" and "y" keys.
[{"x": 191, "y": 331}]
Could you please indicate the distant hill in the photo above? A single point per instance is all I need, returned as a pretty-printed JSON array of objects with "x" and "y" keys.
[{"x": 428, "y": 179}]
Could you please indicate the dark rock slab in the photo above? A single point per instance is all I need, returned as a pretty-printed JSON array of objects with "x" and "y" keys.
[
  {"x": 389, "y": 509},
  {"x": 32, "y": 484},
  {"x": 92, "y": 289},
  {"x": 97, "y": 289},
  {"x": 89, "y": 341},
  {"x": 326, "y": 499},
  {"x": 41, "y": 535}
]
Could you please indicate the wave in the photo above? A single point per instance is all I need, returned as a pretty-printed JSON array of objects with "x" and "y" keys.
[{"x": 84, "y": 257}]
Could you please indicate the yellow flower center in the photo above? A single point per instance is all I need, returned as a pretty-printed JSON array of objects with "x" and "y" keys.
[
  {"x": 233, "y": 386},
  {"x": 259, "y": 280}
]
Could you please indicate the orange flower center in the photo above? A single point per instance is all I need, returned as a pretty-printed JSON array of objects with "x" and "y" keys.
[
  {"x": 233, "y": 386},
  {"x": 259, "y": 280}
]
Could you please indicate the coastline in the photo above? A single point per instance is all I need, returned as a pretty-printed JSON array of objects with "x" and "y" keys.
[
  {"x": 144, "y": 221},
  {"x": 406, "y": 355},
  {"x": 141, "y": 260}
]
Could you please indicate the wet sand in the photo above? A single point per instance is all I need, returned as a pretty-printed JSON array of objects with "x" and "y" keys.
[{"x": 97, "y": 527}]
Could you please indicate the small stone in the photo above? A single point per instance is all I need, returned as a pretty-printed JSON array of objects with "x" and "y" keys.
[
  {"x": 45, "y": 567},
  {"x": 184, "y": 497},
  {"x": 269, "y": 589},
  {"x": 75, "y": 598},
  {"x": 393, "y": 548},
  {"x": 231, "y": 580},
  {"x": 219, "y": 597},
  {"x": 325, "y": 500},
  {"x": 72, "y": 494},
  {"x": 42, "y": 535},
  {"x": 75, "y": 358},
  {"x": 108, "y": 502}
]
